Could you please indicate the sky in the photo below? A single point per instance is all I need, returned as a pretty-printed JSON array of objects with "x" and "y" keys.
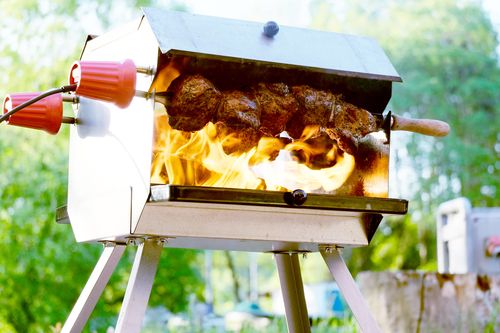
[{"x": 286, "y": 12}]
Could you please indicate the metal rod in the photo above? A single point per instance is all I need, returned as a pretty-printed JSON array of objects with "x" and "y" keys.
[
  {"x": 68, "y": 120},
  {"x": 145, "y": 70},
  {"x": 70, "y": 98},
  {"x": 139, "y": 286},
  {"x": 350, "y": 290},
  {"x": 158, "y": 97},
  {"x": 143, "y": 94},
  {"x": 293, "y": 292},
  {"x": 93, "y": 289}
]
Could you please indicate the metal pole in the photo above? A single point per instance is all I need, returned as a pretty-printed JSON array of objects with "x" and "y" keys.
[
  {"x": 350, "y": 290},
  {"x": 93, "y": 288},
  {"x": 139, "y": 286},
  {"x": 293, "y": 292}
]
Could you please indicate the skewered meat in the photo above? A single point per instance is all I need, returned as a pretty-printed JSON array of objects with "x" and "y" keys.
[
  {"x": 315, "y": 108},
  {"x": 349, "y": 124},
  {"x": 277, "y": 106},
  {"x": 238, "y": 110},
  {"x": 192, "y": 102},
  {"x": 237, "y": 139},
  {"x": 344, "y": 122}
]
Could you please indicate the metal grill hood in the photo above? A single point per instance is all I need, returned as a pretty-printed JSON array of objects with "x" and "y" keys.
[{"x": 327, "y": 52}]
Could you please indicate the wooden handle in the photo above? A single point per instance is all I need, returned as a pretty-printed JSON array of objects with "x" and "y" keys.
[{"x": 430, "y": 127}]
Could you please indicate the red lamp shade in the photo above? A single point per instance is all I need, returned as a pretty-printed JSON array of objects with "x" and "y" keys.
[
  {"x": 105, "y": 80},
  {"x": 45, "y": 114}
]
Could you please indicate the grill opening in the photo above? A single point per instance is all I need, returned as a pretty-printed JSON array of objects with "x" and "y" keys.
[{"x": 233, "y": 123}]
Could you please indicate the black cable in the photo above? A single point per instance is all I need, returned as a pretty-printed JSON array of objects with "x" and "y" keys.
[{"x": 63, "y": 89}]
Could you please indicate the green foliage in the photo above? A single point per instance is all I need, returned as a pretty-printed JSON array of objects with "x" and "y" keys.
[
  {"x": 398, "y": 244},
  {"x": 445, "y": 52}
]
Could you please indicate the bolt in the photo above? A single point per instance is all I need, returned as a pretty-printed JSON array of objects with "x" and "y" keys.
[
  {"x": 135, "y": 241},
  {"x": 326, "y": 248},
  {"x": 162, "y": 241}
]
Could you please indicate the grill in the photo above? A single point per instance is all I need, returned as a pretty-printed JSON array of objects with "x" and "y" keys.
[
  {"x": 113, "y": 183},
  {"x": 205, "y": 157}
]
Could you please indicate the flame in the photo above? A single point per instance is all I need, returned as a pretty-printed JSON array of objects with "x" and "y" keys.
[
  {"x": 287, "y": 173},
  {"x": 168, "y": 73},
  {"x": 199, "y": 159}
]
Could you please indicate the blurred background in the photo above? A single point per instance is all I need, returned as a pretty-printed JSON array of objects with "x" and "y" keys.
[{"x": 447, "y": 52}]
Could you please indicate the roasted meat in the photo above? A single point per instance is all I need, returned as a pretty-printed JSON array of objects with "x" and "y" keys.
[
  {"x": 238, "y": 110},
  {"x": 277, "y": 106},
  {"x": 192, "y": 102},
  {"x": 270, "y": 108},
  {"x": 349, "y": 124},
  {"x": 237, "y": 140},
  {"x": 344, "y": 122},
  {"x": 315, "y": 108}
]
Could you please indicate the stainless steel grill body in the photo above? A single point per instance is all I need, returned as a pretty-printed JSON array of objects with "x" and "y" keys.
[{"x": 110, "y": 192}]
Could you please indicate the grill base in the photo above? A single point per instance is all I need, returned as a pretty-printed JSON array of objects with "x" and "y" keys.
[{"x": 215, "y": 218}]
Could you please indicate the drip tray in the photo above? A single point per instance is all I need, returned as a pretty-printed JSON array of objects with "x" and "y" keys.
[{"x": 296, "y": 199}]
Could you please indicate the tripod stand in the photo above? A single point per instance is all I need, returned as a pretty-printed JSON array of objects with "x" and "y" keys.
[{"x": 143, "y": 273}]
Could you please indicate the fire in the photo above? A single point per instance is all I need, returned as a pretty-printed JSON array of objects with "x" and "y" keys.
[
  {"x": 168, "y": 73},
  {"x": 200, "y": 159}
]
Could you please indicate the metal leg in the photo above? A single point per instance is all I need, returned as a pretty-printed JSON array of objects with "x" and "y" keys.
[
  {"x": 93, "y": 289},
  {"x": 293, "y": 292},
  {"x": 139, "y": 287},
  {"x": 350, "y": 290}
]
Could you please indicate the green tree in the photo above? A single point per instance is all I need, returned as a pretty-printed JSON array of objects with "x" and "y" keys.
[
  {"x": 445, "y": 52},
  {"x": 42, "y": 268}
]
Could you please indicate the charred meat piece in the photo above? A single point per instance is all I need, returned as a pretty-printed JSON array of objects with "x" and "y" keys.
[
  {"x": 344, "y": 122},
  {"x": 315, "y": 108},
  {"x": 277, "y": 106},
  {"x": 349, "y": 124},
  {"x": 238, "y": 110},
  {"x": 192, "y": 102},
  {"x": 237, "y": 140}
]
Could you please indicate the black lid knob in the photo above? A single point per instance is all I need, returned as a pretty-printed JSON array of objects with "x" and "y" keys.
[{"x": 271, "y": 28}]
